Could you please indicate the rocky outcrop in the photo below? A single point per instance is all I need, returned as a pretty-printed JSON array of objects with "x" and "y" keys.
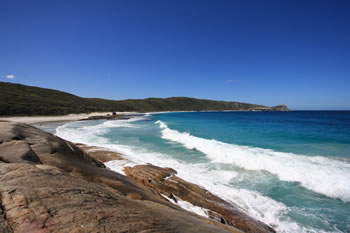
[
  {"x": 278, "y": 108},
  {"x": 281, "y": 107},
  {"x": 165, "y": 181},
  {"x": 107, "y": 117},
  {"x": 100, "y": 154},
  {"x": 48, "y": 184}
]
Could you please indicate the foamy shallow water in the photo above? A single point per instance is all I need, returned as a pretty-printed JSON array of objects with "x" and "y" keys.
[{"x": 291, "y": 192}]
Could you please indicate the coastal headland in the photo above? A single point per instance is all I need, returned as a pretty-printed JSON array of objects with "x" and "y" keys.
[{"x": 23, "y": 100}]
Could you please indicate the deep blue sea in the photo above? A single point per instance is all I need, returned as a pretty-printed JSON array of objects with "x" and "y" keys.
[{"x": 288, "y": 169}]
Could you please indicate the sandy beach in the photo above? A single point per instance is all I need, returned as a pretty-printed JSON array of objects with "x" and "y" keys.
[{"x": 70, "y": 117}]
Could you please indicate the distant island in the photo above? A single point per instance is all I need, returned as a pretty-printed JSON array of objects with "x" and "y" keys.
[{"x": 23, "y": 100}]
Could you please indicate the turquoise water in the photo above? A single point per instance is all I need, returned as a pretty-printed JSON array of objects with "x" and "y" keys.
[{"x": 288, "y": 169}]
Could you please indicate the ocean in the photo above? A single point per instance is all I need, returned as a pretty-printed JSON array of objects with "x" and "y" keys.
[{"x": 290, "y": 170}]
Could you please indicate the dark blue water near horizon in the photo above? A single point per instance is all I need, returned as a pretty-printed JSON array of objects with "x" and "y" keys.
[{"x": 303, "y": 132}]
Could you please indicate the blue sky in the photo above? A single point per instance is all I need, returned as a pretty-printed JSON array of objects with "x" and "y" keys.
[{"x": 265, "y": 52}]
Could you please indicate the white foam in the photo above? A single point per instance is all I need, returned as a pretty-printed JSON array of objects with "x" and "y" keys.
[
  {"x": 118, "y": 165},
  {"x": 319, "y": 174},
  {"x": 256, "y": 205},
  {"x": 216, "y": 181},
  {"x": 188, "y": 206},
  {"x": 90, "y": 134}
]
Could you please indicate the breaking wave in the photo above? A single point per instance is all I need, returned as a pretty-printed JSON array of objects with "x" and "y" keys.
[{"x": 319, "y": 174}]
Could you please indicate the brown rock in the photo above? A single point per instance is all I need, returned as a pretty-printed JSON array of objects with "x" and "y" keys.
[
  {"x": 100, "y": 154},
  {"x": 42, "y": 198},
  {"x": 164, "y": 180},
  {"x": 24, "y": 152}
]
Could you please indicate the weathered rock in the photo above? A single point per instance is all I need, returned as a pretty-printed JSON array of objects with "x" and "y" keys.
[
  {"x": 49, "y": 148},
  {"x": 164, "y": 180},
  {"x": 100, "y": 154},
  {"x": 4, "y": 226},
  {"x": 114, "y": 116},
  {"x": 24, "y": 152},
  {"x": 42, "y": 198}
]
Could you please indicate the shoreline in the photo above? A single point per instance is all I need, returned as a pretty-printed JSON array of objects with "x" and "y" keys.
[
  {"x": 211, "y": 206},
  {"x": 85, "y": 116},
  {"x": 151, "y": 186},
  {"x": 56, "y": 119}
]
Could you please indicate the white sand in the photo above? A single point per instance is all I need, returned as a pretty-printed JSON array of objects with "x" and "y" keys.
[{"x": 70, "y": 117}]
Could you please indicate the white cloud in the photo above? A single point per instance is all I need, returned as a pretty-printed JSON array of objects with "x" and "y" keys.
[{"x": 10, "y": 76}]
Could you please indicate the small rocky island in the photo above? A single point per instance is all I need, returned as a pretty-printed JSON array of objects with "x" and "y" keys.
[{"x": 48, "y": 184}]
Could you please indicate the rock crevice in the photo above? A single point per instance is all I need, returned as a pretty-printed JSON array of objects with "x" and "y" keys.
[{"x": 5, "y": 227}]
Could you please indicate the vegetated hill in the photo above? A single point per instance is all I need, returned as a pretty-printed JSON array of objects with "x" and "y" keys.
[{"x": 18, "y": 99}]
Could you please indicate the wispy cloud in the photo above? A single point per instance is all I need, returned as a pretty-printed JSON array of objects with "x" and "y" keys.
[
  {"x": 10, "y": 76},
  {"x": 228, "y": 81}
]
